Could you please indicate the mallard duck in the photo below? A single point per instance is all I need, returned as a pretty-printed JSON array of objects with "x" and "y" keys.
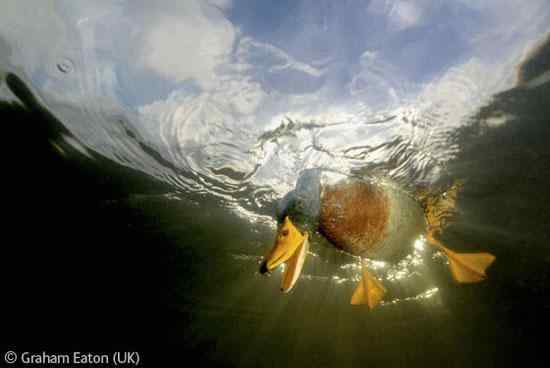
[{"x": 370, "y": 218}]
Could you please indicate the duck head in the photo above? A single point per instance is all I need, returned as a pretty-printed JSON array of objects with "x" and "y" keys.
[{"x": 287, "y": 241}]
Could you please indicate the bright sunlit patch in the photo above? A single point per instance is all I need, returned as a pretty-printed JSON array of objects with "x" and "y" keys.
[
  {"x": 253, "y": 217},
  {"x": 339, "y": 280},
  {"x": 428, "y": 293},
  {"x": 407, "y": 267},
  {"x": 376, "y": 265},
  {"x": 351, "y": 267},
  {"x": 496, "y": 121},
  {"x": 312, "y": 254},
  {"x": 317, "y": 278},
  {"x": 396, "y": 275},
  {"x": 422, "y": 296},
  {"x": 419, "y": 244}
]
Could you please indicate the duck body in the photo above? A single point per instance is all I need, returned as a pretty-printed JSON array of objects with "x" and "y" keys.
[{"x": 367, "y": 218}]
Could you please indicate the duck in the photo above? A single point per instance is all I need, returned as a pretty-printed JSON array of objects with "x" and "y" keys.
[{"x": 372, "y": 218}]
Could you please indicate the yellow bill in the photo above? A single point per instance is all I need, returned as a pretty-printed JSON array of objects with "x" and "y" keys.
[{"x": 290, "y": 247}]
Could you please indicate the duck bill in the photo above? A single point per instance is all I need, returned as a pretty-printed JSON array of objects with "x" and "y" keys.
[
  {"x": 291, "y": 247},
  {"x": 288, "y": 241},
  {"x": 294, "y": 265}
]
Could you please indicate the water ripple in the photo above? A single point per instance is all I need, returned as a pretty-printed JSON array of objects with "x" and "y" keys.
[{"x": 251, "y": 108}]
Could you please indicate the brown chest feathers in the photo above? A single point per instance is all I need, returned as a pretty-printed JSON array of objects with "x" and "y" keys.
[{"x": 354, "y": 216}]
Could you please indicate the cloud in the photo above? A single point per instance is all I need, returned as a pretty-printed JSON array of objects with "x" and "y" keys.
[
  {"x": 400, "y": 14},
  {"x": 189, "y": 45},
  {"x": 405, "y": 14}
]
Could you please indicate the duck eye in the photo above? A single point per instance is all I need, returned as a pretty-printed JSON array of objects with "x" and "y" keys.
[{"x": 284, "y": 232}]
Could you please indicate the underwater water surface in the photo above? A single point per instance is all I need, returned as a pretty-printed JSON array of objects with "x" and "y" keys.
[{"x": 146, "y": 147}]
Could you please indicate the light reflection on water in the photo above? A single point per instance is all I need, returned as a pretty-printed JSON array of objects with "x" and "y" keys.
[
  {"x": 253, "y": 107},
  {"x": 420, "y": 297}
]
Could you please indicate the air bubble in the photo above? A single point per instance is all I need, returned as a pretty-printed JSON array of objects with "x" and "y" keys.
[{"x": 65, "y": 66}]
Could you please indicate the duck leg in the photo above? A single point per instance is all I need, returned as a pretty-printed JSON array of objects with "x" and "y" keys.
[
  {"x": 369, "y": 291},
  {"x": 465, "y": 267}
]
